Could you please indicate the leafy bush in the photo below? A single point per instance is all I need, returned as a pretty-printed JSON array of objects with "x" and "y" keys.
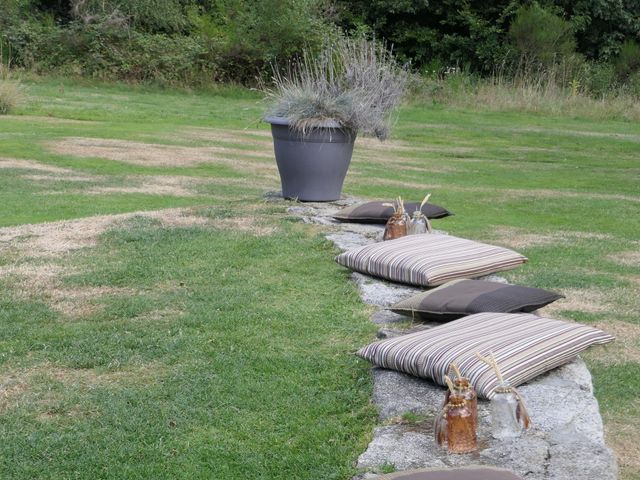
[
  {"x": 101, "y": 50},
  {"x": 166, "y": 41},
  {"x": 628, "y": 60},
  {"x": 473, "y": 35},
  {"x": 540, "y": 35},
  {"x": 247, "y": 37},
  {"x": 355, "y": 82},
  {"x": 457, "y": 33},
  {"x": 153, "y": 16},
  {"x": 601, "y": 78},
  {"x": 199, "y": 41},
  {"x": 137, "y": 57},
  {"x": 601, "y": 26}
]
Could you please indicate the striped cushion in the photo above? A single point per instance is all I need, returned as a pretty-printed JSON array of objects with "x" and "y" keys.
[
  {"x": 524, "y": 345},
  {"x": 429, "y": 259}
]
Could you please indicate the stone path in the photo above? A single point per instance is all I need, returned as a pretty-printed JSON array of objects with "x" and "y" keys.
[{"x": 565, "y": 442}]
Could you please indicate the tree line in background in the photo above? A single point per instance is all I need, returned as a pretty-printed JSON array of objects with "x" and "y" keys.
[{"x": 587, "y": 45}]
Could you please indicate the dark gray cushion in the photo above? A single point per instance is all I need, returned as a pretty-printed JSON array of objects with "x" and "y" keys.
[
  {"x": 376, "y": 212},
  {"x": 465, "y": 297}
]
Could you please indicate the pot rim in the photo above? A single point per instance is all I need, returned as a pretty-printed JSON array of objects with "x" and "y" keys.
[{"x": 284, "y": 121}]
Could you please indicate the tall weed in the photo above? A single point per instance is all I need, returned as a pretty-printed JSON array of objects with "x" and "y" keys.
[
  {"x": 543, "y": 93},
  {"x": 10, "y": 92}
]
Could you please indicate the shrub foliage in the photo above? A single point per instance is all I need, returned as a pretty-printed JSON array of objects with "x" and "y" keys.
[
  {"x": 169, "y": 41},
  {"x": 540, "y": 36},
  {"x": 200, "y": 41}
]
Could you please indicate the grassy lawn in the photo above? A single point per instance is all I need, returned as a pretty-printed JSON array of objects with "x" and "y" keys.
[{"x": 210, "y": 335}]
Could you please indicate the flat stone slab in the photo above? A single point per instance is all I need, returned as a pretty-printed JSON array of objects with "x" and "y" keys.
[
  {"x": 465, "y": 473},
  {"x": 567, "y": 425},
  {"x": 565, "y": 442},
  {"x": 382, "y": 293}
]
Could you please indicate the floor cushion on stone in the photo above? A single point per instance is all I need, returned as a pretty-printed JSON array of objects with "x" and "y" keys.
[
  {"x": 429, "y": 259},
  {"x": 458, "y": 298},
  {"x": 524, "y": 346},
  {"x": 377, "y": 212},
  {"x": 465, "y": 473}
]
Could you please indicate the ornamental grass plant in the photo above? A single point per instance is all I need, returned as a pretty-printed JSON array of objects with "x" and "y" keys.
[
  {"x": 354, "y": 82},
  {"x": 10, "y": 92}
]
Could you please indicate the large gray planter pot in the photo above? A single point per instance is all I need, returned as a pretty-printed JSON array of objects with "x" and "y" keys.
[{"x": 312, "y": 166}]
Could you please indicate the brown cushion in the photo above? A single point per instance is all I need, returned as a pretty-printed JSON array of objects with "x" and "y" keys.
[
  {"x": 524, "y": 346},
  {"x": 376, "y": 212},
  {"x": 465, "y": 473},
  {"x": 429, "y": 259},
  {"x": 458, "y": 298}
]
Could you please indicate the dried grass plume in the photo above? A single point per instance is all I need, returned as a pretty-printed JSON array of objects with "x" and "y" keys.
[{"x": 354, "y": 82}]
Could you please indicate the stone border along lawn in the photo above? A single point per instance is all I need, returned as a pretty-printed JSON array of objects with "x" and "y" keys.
[{"x": 566, "y": 440}]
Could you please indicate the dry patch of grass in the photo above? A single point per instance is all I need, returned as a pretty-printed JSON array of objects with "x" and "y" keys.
[
  {"x": 48, "y": 173},
  {"x": 176, "y": 186},
  {"x": 60, "y": 178},
  {"x": 608, "y": 303},
  {"x": 588, "y": 300},
  {"x": 541, "y": 193},
  {"x": 37, "y": 252},
  {"x": 521, "y": 238},
  {"x": 407, "y": 184},
  {"x": 36, "y": 272},
  {"x": 505, "y": 193},
  {"x": 621, "y": 435},
  {"x": 45, "y": 283},
  {"x": 401, "y": 163},
  {"x": 160, "y": 314},
  {"x": 54, "y": 239},
  {"x": 629, "y": 258},
  {"x": 533, "y": 149},
  {"x": 255, "y": 138},
  {"x": 633, "y": 279},
  {"x": 43, "y": 119},
  {"x": 544, "y": 193},
  {"x": 149, "y": 154},
  {"x": 368, "y": 143},
  {"x": 11, "y": 388},
  {"x": 20, "y": 164},
  {"x": 426, "y": 168},
  {"x": 206, "y": 133},
  {"x": 22, "y": 386},
  {"x": 166, "y": 185},
  {"x": 625, "y": 349},
  {"x": 248, "y": 224},
  {"x": 579, "y": 133},
  {"x": 431, "y": 126},
  {"x": 173, "y": 185}
]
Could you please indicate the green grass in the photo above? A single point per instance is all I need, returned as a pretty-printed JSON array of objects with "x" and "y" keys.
[
  {"x": 233, "y": 383},
  {"x": 219, "y": 350}
]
